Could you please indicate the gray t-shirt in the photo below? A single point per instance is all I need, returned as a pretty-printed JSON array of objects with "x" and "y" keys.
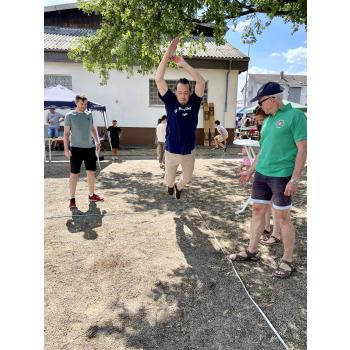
[
  {"x": 80, "y": 124},
  {"x": 54, "y": 118}
]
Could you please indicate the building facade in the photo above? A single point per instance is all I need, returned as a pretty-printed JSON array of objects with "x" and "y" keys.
[
  {"x": 295, "y": 86},
  {"x": 133, "y": 101}
]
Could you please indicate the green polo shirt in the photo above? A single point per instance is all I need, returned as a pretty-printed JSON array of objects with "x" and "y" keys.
[
  {"x": 279, "y": 136},
  {"x": 80, "y": 124}
]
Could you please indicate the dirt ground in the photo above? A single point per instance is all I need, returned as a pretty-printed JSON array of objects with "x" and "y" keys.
[{"x": 142, "y": 270}]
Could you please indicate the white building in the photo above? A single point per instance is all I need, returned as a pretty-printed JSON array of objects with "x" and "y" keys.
[
  {"x": 133, "y": 101},
  {"x": 295, "y": 86}
]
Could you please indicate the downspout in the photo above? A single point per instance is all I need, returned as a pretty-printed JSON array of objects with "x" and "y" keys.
[{"x": 226, "y": 92}]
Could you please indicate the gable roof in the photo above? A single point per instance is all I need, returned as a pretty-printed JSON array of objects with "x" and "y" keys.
[
  {"x": 60, "y": 7},
  {"x": 61, "y": 38},
  {"x": 288, "y": 79}
]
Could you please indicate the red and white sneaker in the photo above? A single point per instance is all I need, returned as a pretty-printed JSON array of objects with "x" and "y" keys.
[
  {"x": 96, "y": 198},
  {"x": 72, "y": 204}
]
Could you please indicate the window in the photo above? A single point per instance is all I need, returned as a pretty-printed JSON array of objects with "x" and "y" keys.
[
  {"x": 154, "y": 100},
  {"x": 58, "y": 79},
  {"x": 294, "y": 94}
]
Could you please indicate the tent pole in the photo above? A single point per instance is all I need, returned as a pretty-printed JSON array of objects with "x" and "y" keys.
[{"x": 106, "y": 123}]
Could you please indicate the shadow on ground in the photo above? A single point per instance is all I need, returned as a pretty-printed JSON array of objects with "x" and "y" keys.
[
  {"x": 86, "y": 222},
  {"x": 210, "y": 310},
  {"x": 202, "y": 305},
  {"x": 204, "y": 299}
]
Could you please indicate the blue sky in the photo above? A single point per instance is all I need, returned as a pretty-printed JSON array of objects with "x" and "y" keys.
[{"x": 276, "y": 49}]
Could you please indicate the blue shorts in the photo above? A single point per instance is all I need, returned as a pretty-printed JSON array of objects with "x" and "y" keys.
[
  {"x": 52, "y": 131},
  {"x": 267, "y": 188}
]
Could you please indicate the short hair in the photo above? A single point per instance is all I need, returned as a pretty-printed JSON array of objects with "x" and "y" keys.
[
  {"x": 80, "y": 97},
  {"x": 114, "y": 121},
  {"x": 217, "y": 122},
  {"x": 278, "y": 97},
  {"x": 183, "y": 81},
  {"x": 163, "y": 117}
]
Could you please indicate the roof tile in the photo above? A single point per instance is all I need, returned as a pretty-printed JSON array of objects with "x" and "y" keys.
[{"x": 60, "y": 39}]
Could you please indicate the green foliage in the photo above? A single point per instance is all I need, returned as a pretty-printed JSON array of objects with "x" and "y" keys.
[{"x": 135, "y": 33}]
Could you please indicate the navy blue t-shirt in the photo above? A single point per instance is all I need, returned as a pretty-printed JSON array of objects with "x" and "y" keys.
[{"x": 182, "y": 123}]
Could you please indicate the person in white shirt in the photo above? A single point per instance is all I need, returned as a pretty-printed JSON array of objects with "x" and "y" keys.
[
  {"x": 161, "y": 131},
  {"x": 220, "y": 140}
]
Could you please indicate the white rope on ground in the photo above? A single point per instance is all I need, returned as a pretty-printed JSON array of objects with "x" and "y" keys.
[
  {"x": 84, "y": 215},
  {"x": 244, "y": 287}
]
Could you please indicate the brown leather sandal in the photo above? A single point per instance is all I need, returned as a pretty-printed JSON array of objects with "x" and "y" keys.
[
  {"x": 275, "y": 240},
  {"x": 250, "y": 256},
  {"x": 280, "y": 272}
]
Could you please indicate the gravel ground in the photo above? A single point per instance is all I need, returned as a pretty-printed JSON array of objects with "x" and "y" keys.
[{"x": 143, "y": 271}]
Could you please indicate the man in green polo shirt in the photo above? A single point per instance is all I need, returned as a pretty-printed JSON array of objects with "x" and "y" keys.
[
  {"x": 80, "y": 138},
  {"x": 277, "y": 170}
]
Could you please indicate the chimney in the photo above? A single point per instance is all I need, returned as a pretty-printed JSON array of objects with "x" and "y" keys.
[{"x": 282, "y": 75}]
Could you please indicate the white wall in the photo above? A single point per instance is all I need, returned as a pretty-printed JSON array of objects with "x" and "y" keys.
[
  {"x": 127, "y": 99},
  {"x": 303, "y": 95}
]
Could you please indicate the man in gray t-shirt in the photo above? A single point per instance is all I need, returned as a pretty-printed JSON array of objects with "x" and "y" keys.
[
  {"x": 80, "y": 138},
  {"x": 53, "y": 119}
]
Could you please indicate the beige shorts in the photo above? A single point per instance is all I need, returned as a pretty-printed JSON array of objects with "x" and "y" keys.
[{"x": 220, "y": 138}]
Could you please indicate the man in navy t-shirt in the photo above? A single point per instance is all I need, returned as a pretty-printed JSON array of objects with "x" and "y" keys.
[{"x": 182, "y": 115}]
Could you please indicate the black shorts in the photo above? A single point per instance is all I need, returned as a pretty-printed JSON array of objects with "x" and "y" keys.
[
  {"x": 115, "y": 143},
  {"x": 266, "y": 188},
  {"x": 79, "y": 155}
]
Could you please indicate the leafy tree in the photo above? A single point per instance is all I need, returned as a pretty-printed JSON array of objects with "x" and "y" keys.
[{"x": 133, "y": 33}]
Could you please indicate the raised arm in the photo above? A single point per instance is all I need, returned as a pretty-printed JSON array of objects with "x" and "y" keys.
[
  {"x": 159, "y": 77},
  {"x": 200, "y": 82}
]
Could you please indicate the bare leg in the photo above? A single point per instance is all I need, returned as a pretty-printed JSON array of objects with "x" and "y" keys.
[
  {"x": 91, "y": 181},
  {"x": 267, "y": 219},
  {"x": 256, "y": 229},
  {"x": 287, "y": 233},
  {"x": 257, "y": 225},
  {"x": 276, "y": 226},
  {"x": 73, "y": 180},
  {"x": 216, "y": 142}
]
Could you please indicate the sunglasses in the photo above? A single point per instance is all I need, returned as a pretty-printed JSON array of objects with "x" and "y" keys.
[{"x": 265, "y": 99}]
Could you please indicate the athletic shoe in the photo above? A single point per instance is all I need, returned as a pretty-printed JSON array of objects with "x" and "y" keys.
[
  {"x": 96, "y": 198},
  {"x": 177, "y": 192},
  {"x": 171, "y": 190},
  {"x": 72, "y": 204}
]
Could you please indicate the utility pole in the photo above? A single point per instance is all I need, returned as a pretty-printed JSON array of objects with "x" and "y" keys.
[{"x": 246, "y": 77}]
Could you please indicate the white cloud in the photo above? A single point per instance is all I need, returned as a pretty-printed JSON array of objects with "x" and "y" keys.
[
  {"x": 239, "y": 28},
  {"x": 297, "y": 55}
]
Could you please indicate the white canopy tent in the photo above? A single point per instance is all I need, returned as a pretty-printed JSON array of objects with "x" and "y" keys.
[{"x": 63, "y": 98}]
